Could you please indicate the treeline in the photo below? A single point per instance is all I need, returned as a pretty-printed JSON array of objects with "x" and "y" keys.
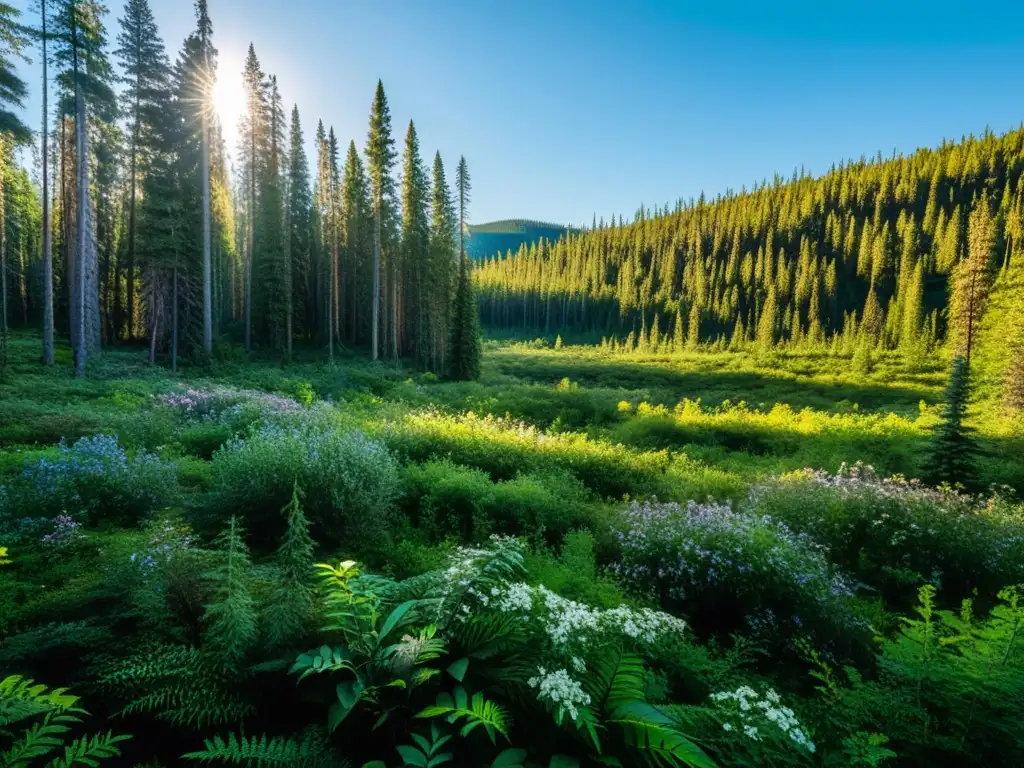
[
  {"x": 131, "y": 226},
  {"x": 896, "y": 253}
]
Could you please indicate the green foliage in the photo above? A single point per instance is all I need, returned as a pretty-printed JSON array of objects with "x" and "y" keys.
[
  {"x": 231, "y": 614},
  {"x": 291, "y": 604},
  {"x": 311, "y": 751},
  {"x": 349, "y": 481},
  {"x": 55, "y": 715},
  {"x": 951, "y": 457},
  {"x": 464, "y": 346}
]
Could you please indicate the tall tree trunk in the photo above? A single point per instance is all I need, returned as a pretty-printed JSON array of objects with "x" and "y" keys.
[
  {"x": 207, "y": 259},
  {"x": 133, "y": 182},
  {"x": 375, "y": 323},
  {"x": 174, "y": 316},
  {"x": 3, "y": 258},
  {"x": 155, "y": 326},
  {"x": 81, "y": 224},
  {"x": 47, "y": 244}
]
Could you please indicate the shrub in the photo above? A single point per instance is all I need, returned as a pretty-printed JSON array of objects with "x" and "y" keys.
[
  {"x": 350, "y": 481},
  {"x": 503, "y": 448},
  {"x": 204, "y": 439},
  {"x": 96, "y": 477},
  {"x": 451, "y": 500},
  {"x": 732, "y": 571},
  {"x": 893, "y": 534}
]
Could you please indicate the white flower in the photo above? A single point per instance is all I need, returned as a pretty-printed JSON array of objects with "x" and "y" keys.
[
  {"x": 726, "y": 726},
  {"x": 578, "y": 664},
  {"x": 560, "y": 690},
  {"x": 751, "y": 732}
]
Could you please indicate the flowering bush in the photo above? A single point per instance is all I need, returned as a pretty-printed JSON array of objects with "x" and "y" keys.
[
  {"x": 745, "y": 712},
  {"x": 225, "y": 403},
  {"x": 350, "y": 482},
  {"x": 730, "y": 570},
  {"x": 894, "y": 533},
  {"x": 95, "y": 476},
  {"x": 66, "y": 532}
]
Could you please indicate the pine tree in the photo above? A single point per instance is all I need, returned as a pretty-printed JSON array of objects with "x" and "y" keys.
[
  {"x": 693, "y": 338},
  {"x": 12, "y": 130},
  {"x": 145, "y": 74},
  {"x": 80, "y": 40},
  {"x": 231, "y": 615},
  {"x": 972, "y": 282},
  {"x": 357, "y": 214},
  {"x": 291, "y": 604},
  {"x": 767, "y": 326},
  {"x": 416, "y": 246},
  {"x": 253, "y": 142},
  {"x": 951, "y": 456},
  {"x": 464, "y": 347},
  {"x": 47, "y": 239},
  {"x": 207, "y": 59},
  {"x": 1013, "y": 380},
  {"x": 299, "y": 227},
  {"x": 443, "y": 261},
  {"x": 271, "y": 268},
  {"x": 380, "y": 157}
]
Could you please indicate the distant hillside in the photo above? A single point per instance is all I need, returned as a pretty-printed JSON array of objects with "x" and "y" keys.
[{"x": 501, "y": 236}]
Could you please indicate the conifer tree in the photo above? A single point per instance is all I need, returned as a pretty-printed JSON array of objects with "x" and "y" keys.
[
  {"x": 79, "y": 52},
  {"x": 271, "y": 268},
  {"x": 464, "y": 347},
  {"x": 380, "y": 157},
  {"x": 46, "y": 240},
  {"x": 231, "y": 615},
  {"x": 972, "y": 281},
  {"x": 145, "y": 74},
  {"x": 12, "y": 92},
  {"x": 252, "y": 138},
  {"x": 1013, "y": 380},
  {"x": 415, "y": 245},
  {"x": 951, "y": 455},
  {"x": 208, "y": 74},
  {"x": 443, "y": 263},
  {"x": 299, "y": 227},
  {"x": 357, "y": 213},
  {"x": 291, "y": 605},
  {"x": 767, "y": 326},
  {"x": 693, "y": 337}
]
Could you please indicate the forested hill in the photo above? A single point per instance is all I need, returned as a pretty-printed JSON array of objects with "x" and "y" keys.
[
  {"x": 497, "y": 237},
  {"x": 871, "y": 251}
]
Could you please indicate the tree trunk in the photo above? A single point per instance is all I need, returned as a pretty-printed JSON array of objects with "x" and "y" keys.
[
  {"x": 130, "y": 267},
  {"x": 3, "y": 261},
  {"x": 207, "y": 259},
  {"x": 375, "y": 323},
  {"x": 47, "y": 244},
  {"x": 155, "y": 327},
  {"x": 81, "y": 227}
]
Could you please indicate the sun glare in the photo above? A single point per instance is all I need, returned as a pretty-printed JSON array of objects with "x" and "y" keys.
[{"x": 228, "y": 98}]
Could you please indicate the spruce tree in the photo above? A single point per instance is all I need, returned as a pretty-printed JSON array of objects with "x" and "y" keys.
[
  {"x": 416, "y": 246},
  {"x": 253, "y": 142},
  {"x": 1013, "y": 380},
  {"x": 951, "y": 454},
  {"x": 145, "y": 74},
  {"x": 972, "y": 282},
  {"x": 357, "y": 215},
  {"x": 300, "y": 205},
  {"x": 443, "y": 264},
  {"x": 230, "y": 617},
  {"x": 79, "y": 52},
  {"x": 291, "y": 604},
  {"x": 44, "y": 33},
  {"x": 12, "y": 130},
  {"x": 380, "y": 158},
  {"x": 464, "y": 348}
]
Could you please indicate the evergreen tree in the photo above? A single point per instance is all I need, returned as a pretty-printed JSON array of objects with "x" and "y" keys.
[
  {"x": 464, "y": 348},
  {"x": 972, "y": 282},
  {"x": 380, "y": 157},
  {"x": 145, "y": 73},
  {"x": 231, "y": 615},
  {"x": 951, "y": 456},
  {"x": 299, "y": 227},
  {"x": 12, "y": 92},
  {"x": 84, "y": 77},
  {"x": 443, "y": 261},
  {"x": 253, "y": 138},
  {"x": 271, "y": 270},
  {"x": 415, "y": 246},
  {"x": 357, "y": 213},
  {"x": 47, "y": 241},
  {"x": 291, "y": 604}
]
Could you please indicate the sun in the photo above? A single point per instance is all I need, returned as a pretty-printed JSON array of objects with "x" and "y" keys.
[{"x": 228, "y": 101}]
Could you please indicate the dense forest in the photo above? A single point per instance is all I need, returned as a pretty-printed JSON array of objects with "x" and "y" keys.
[
  {"x": 493, "y": 237},
  {"x": 894, "y": 253},
  {"x": 129, "y": 226}
]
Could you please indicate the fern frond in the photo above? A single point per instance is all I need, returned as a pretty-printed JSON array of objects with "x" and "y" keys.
[
  {"x": 477, "y": 711},
  {"x": 489, "y": 634},
  {"x": 311, "y": 751},
  {"x": 39, "y": 740},
  {"x": 89, "y": 751},
  {"x": 615, "y": 680},
  {"x": 21, "y": 699},
  {"x": 644, "y": 729}
]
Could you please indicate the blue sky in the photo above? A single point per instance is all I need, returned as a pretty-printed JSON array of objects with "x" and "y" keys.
[{"x": 567, "y": 108}]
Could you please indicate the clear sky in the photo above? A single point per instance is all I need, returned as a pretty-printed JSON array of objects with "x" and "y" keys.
[{"x": 564, "y": 108}]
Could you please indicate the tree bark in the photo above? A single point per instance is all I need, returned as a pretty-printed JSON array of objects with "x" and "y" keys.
[
  {"x": 47, "y": 243},
  {"x": 375, "y": 323},
  {"x": 207, "y": 259}
]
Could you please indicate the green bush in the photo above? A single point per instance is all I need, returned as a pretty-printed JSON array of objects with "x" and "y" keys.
[
  {"x": 732, "y": 572},
  {"x": 451, "y": 500},
  {"x": 94, "y": 477},
  {"x": 203, "y": 439},
  {"x": 350, "y": 481},
  {"x": 894, "y": 535}
]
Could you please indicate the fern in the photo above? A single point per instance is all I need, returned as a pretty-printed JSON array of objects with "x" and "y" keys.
[
  {"x": 615, "y": 680},
  {"x": 179, "y": 684},
  {"x": 231, "y": 618},
  {"x": 648, "y": 731},
  {"x": 291, "y": 605},
  {"x": 476, "y": 711},
  {"x": 311, "y": 751},
  {"x": 21, "y": 700}
]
